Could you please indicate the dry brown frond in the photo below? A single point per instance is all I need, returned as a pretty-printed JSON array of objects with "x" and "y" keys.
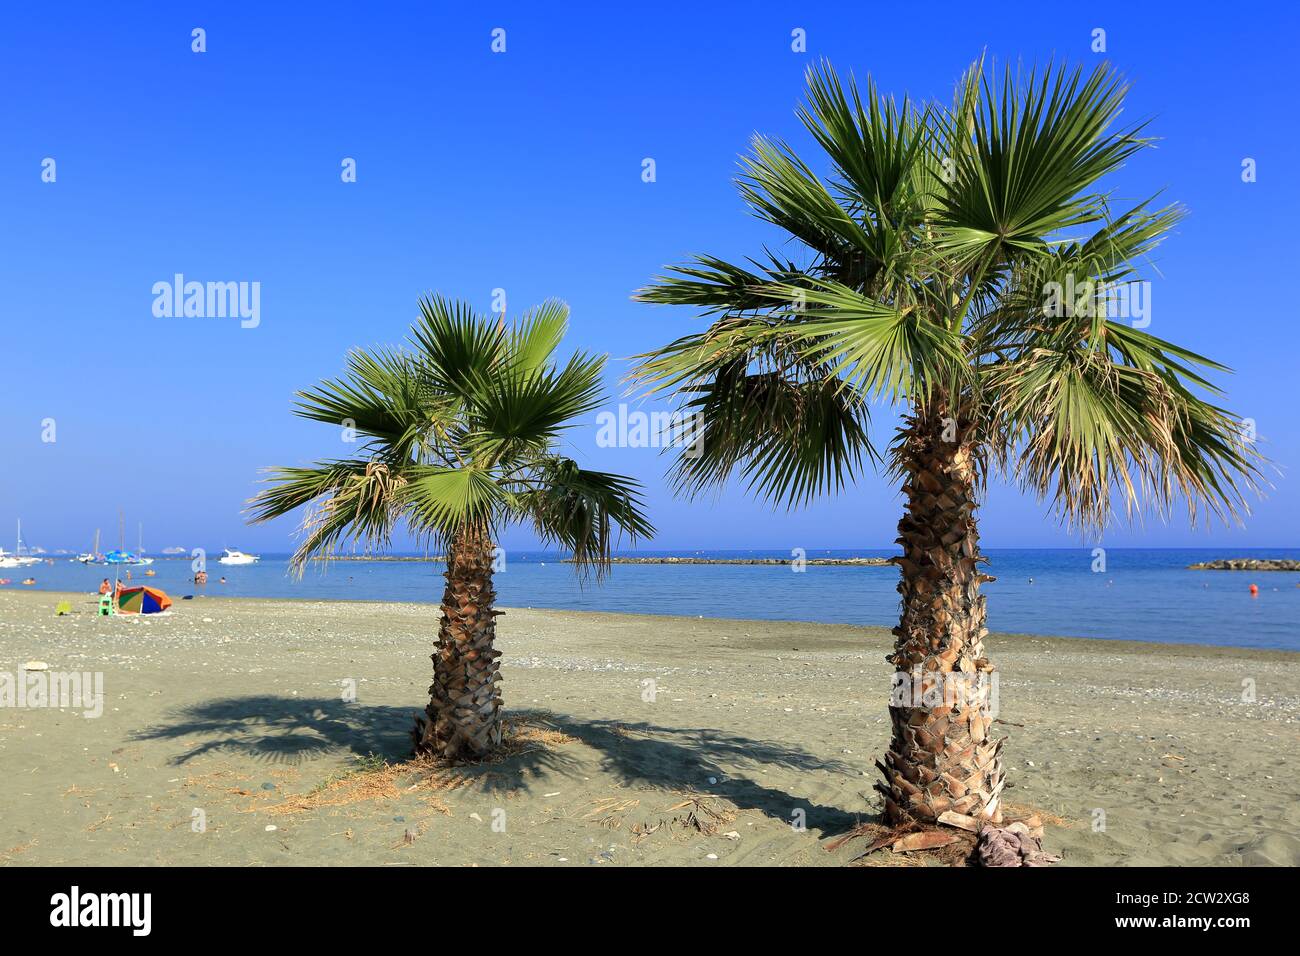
[
  {"x": 1011, "y": 812},
  {"x": 423, "y": 775},
  {"x": 701, "y": 814}
]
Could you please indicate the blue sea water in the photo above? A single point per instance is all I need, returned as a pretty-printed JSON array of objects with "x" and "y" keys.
[{"x": 1146, "y": 595}]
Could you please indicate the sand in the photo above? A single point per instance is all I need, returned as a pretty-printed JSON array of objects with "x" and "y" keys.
[{"x": 225, "y": 739}]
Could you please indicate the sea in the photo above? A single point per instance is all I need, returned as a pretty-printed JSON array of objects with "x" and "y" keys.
[{"x": 1123, "y": 594}]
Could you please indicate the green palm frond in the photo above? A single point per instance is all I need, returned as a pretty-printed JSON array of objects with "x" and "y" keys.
[
  {"x": 534, "y": 338},
  {"x": 349, "y": 500},
  {"x": 717, "y": 286},
  {"x": 580, "y": 510},
  {"x": 790, "y": 440},
  {"x": 882, "y": 351},
  {"x": 1039, "y": 148},
  {"x": 875, "y": 144},
  {"x": 513, "y": 412},
  {"x": 456, "y": 346},
  {"x": 442, "y": 501},
  {"x": 1068, "y": 287},
  {"x": 1078, "y": 425},
  {"x": 379, "y": 397},
  {"x": 784, "y": 191}
]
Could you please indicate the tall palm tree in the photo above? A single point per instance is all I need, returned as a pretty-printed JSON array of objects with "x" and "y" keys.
[
  {"x": 459, "y": 437},
  {"x": 921, "y": 273}
]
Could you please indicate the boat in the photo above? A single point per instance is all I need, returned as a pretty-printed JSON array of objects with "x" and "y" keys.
[
  {"x": 121, "y": 555},
  {"x": 17, "y": 559},
  {"x": 92, "y": 556},
  {"x": 232, "y": 556},
  {"x": 140, "y": 558}
]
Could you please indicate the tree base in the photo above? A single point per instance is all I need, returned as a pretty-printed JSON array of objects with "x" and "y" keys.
[{"x": 435, "y": 735}]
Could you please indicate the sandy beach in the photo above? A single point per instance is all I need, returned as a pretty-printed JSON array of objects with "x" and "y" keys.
[{"x": 226, "y": 738}]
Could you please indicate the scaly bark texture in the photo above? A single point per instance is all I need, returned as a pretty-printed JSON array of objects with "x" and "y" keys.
[
  {"x": 941, "y": 756},
  {"x": 463, "y": 719}
]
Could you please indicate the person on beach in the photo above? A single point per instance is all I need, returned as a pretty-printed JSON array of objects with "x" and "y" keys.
[{"x": 103, "y": 587}]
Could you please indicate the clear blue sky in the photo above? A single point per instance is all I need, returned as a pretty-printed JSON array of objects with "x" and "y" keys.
[{"x": 523, "y": 171}]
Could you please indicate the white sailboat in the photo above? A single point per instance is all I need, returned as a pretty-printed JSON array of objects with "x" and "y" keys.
[
  {"x": 139, "y": 556},
  {"x": 123, "y": 556},
  {"x": 91, "y": 556},
  {"x": 17, "y": 559}
]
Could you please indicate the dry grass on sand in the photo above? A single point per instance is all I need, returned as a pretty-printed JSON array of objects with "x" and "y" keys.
[{"x": 375, "y": 778}]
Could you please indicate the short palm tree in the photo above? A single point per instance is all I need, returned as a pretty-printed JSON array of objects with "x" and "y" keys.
[
  {"x": 919, "y": 273},
  {"x": 459, "y": 438}
]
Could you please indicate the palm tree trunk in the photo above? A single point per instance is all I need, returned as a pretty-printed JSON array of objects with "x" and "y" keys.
[
  {"x": 941, "y": 756},
  {"x": 463, "y": 718}
]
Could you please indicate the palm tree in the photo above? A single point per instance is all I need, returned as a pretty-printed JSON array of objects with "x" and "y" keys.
[
  {"x": 925, "y": 273},
  {"x": 460, "y": 431}
]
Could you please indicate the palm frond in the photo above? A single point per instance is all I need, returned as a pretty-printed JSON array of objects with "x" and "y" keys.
[
  {"x": 580, "y": 509},
  {"x": 1078, "y": 425},
  {"x": 442, "y": 501},
  {"x": 718, "y": 286},
  {"x": 883, "y": 351},
  {"x": 349, "y": 500},
  {"x": 456, "y": 346},
  {"x": 533, "y": 339},
  {"x": 874, "y": 143},
  {"x": 514, "y": 412},
  {"x": 1039, "y": 147},
  {"x": 379, "y": 396}
]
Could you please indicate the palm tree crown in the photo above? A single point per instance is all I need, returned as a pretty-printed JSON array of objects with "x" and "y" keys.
[
  {"x": 459, "y": 431},
  {"x": 919, "y": 272}
]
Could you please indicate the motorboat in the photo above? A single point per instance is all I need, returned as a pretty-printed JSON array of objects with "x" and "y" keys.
[{"x": 232, "y": 556}]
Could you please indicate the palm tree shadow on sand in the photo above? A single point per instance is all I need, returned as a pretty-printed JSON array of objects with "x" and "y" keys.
[
  {"x": 677, "y": 758},
  {"x": 293, "y": 731}
]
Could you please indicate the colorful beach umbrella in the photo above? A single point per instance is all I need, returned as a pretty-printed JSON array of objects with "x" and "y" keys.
[{"x": 142, "y": 600}]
